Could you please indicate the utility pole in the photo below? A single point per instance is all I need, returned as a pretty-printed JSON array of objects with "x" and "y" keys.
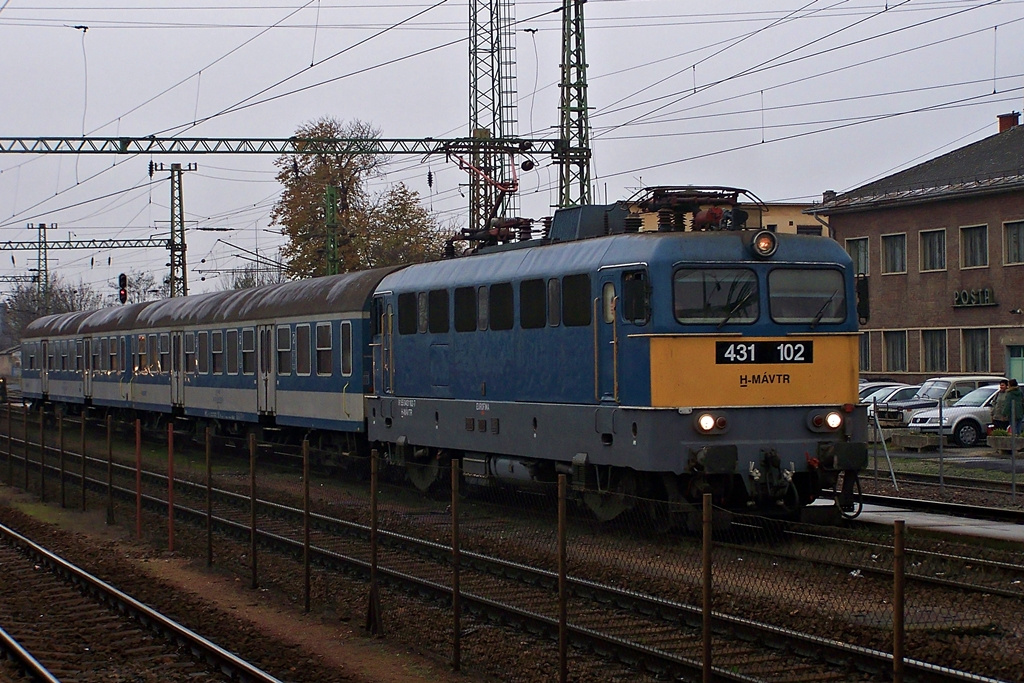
[
  {"x": 179, "y": 276},
  {"x": 573, "y": 158}
]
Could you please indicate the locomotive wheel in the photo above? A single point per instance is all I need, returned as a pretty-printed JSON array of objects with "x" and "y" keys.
[{"x": 620, "y": 497}]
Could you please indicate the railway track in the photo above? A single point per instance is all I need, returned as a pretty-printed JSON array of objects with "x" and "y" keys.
[
  {"x": 654, "y": 634},
  {"x": 62, "y": 623}
]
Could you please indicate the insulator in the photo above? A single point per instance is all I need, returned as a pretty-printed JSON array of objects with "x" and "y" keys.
[
  {"x": 633, "y": 222},
  {"x": 430, "y": 179},
  {"x": 664, "y": 220}
]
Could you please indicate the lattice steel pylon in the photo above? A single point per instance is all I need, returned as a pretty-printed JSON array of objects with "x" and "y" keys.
[
  {"x": 574, "y": 124},
  {"x": 492, "y": 107},
  {"x": 178, "y": 280}
]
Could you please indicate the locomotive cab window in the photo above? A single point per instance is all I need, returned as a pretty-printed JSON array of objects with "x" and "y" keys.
[
  {"x": 576, "y": 300},
  {"x": 532, "y": 297},
  {"x": 715, "y": 295},
  {"x": 437, "y": 309},
  {"x": 502, "y": 313},
  {"x": 324, "y": 365},
  {"x": 465, "y": 309},
  {"x": 635, "y": 304},
  {"x": 407, "y": 313},
  {"x": 807, "y": 295},
  {"x": 284, "y": 350},
  {"x": 608, "y": 302}
]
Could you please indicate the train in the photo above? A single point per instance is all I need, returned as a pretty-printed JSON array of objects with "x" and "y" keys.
[{"x": 652, "y": 349}]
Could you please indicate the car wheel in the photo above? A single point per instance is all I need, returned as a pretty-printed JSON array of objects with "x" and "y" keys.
[{"x": 967, "y": 433}]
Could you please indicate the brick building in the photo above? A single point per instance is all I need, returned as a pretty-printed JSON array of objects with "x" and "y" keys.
[{"x": 942, "y": 246}]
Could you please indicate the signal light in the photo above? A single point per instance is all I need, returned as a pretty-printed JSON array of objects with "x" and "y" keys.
[
  {"x": 122, "y": 284},
  {"x": 764, "y": 244}
]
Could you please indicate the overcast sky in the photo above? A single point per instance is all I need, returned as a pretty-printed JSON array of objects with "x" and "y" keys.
[{"x": 786, "y": 102}]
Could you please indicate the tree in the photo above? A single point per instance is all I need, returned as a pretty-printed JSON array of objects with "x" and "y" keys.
[
  {"x": 372, "y": 230},
  {"x": 24, "y": 305}
]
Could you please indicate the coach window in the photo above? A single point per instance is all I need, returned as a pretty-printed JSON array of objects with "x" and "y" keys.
[
  {"x": 346, "y": 348},
  {"x": 324, "y": 364},
  {"x": 231, "y": 351},
  {"x": 204, "y": 353},
  {"x": 554, "y": 302},
  {"x": 284, "y": 350},
  {"x": 421, "y": 312},
  {"x": 302, "y": 349},
  {"x": 122, "y": 357},
  {"x": 217, "y": 352},
  {"x": 715, "y": 295},
  {"x": 532, "y": 296},
  {"x": 407, "y": 313},
  {"x": 249, "y": 351},
  {"x": 482, "y": 307},
  {"x": 142, "y": 360},
  {"x": 502, "y": 313},
  {"x": 165, "y": 352},
  {"x": 99, "y": 354},
  {"x": 79, "y": 355},
  {"x": 437, "y": 311},
  {"x": 635, "y": 304},
  {"x": 465, "y": 309},
  {"x": 576, "y": 300},
  {"x": 154, "y": 355},
  {"x": 190, "y": 352},
  {"x": 608, "y": 302},
  {"x": 113, "y": 364},
  {"x": 64, "y": 355}
]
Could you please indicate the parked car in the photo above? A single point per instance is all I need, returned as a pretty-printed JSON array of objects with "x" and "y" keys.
[
  {"x": 965, "y": 421},
  {"x": 947, "y": 389},
  {"x": 868, "y": 388},
  {"x": 883, "y": 396}
]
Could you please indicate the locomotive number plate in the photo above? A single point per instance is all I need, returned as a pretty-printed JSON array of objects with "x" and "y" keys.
[{"x": 733, "y": 353}]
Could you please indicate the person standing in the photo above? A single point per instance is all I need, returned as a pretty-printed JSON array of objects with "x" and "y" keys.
[
  {"x": 1000, "y": 418},
  {"x": 1015, "y": 406}
]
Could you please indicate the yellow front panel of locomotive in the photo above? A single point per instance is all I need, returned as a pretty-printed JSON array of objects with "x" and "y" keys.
[{"x": 686, "y": 371}]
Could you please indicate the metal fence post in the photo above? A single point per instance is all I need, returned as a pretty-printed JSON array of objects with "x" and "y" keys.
[
  {"x": 563, "y": 603},
  {"x": 899, "y": 565},
  {"x": 24, "y": 423},
  {"x": 307, "y": 589},
  {"x": 1013, "y": 451},
  {"x": 10, "y": 447},
  {"x": 42, "y": 455},
  {"x": 83, "y": 460},
  {"x": 209, "y": 503},
  {"x": 170, "y": 486},
  {"x": 942, "y": 438},
  {"x": 60, "y": 445},
  {"x": 456, "y": 588},
  {"x": 110, "y": 469},
  {"x": 252, "y": 509},
  {"x": 706, "y": 589},
  {"x": 138, "y": 479},
  {"x": 374, "y": 620}
]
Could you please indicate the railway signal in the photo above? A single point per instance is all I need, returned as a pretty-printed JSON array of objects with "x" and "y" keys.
[{"x": 122, "y": 287}]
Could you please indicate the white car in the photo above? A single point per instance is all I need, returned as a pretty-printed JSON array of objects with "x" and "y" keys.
[
  {"x": 882, "y": 396},
  {"x": 965, "y": 421}
]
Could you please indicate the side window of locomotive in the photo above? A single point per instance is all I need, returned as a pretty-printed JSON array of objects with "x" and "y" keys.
[
  {"x": 165, "y": 352},
  {"x": 554, "y": 302},
  {"x": 248, "y": 351},
  {"x": 807, "y": 295},
  {"x": 324, "y": 364},
  {"x": 502, "y": 313},
  {"x": 231, "y": 351},
  {"x": 217, "y": 352},
  {"x": 715, "y": 295},
  {"x": 608, "y": 302},
  {"x": 204, "y": 353},
  {"x": 421, "y": 312},
  {"x": 190, "y": 352},
  {"x": 465, "y": 309},
  {"x": 635, "y": 302},
  {"x": 532, "y": 299},
  {"x": 302, "y": 361},
  {"x": 437, "y": 311},
  {"x": 284, "y": 350},
  {"x": 407, "y": 313},
  {"x": 483, "y": 307},
  {"x": 346, "y": 348},
  {"x": 576, "y": 300}
]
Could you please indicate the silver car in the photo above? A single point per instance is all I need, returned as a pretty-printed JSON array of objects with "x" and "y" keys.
[{"x": 965, "y": 421}]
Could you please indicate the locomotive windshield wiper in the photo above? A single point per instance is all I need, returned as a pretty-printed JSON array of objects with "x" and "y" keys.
[
  {"x": 742, "y": 303},
  {"x": 821, "y": 311}
]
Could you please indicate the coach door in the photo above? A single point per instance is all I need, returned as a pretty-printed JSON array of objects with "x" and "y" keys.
[
  {"x": 45, "y": 364},
  {"x": 266, "y": 381},
  {"x": 177, "y": 369},
  {"x": 85, "y": 367}
]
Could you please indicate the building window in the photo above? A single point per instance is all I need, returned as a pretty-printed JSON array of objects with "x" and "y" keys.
[
  {"x": 858, "y": 251},
  {"x": 933, "y": 346},
  {"x": 865, "y": 352},
  {"x": 975, "y": 345},
  {"x": 933, "y": 250},
  {"x": 894, "y": 253},
  {"x": 1014, "y": 240},
  {"x": 895, "y": 351},
  {"x": 324, "y": 366},
  {"x": 974, "y": 246},
  {"x": 808, "y": 230}
]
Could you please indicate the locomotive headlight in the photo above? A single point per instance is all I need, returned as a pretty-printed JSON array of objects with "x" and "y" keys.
[
  {"x": 834, "y": 420},
  {"x": 765, "y": 243},
  {"x": 706, "y": 422}
]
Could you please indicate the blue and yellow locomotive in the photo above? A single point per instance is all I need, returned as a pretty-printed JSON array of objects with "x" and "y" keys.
[{"x": 643, "y": 361}]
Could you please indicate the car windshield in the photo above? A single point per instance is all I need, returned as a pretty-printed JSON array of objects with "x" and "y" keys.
[
  {"x": 932, "y": 389},
  {"x": 976, "y": 398},
  {"x": 879, "y": 394},
  {"x": 902, "y": 394}
]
